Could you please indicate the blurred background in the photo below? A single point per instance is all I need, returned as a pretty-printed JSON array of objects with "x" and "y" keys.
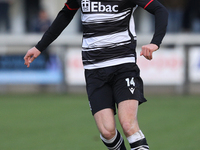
[
  {"x": 45, "y": 107},
  {"x": 174, "y": 69}
]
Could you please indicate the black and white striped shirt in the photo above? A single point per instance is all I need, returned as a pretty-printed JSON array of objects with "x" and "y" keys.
[
  {"x": 109, "y": 36},
  {"x": 108, "y": 33}
]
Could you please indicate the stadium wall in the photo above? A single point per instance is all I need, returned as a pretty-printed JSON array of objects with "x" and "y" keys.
[{"x": 175, "y": 68}]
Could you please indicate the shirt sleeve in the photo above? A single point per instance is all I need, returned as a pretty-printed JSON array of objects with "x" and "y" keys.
[
  {"x": 62, "y": 20},
  {"x": 161, "y": 18}
]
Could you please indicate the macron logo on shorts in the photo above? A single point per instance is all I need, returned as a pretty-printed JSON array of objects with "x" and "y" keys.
[
  {"x": 132, "y": 90},
  {"x": 130, "y": 84},
  {"x": 88, "y": 6}
]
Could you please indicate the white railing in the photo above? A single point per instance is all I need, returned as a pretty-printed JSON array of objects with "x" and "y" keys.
[
  {"x": 185, "y": 40},
  {"x": 75, "y": 39}
]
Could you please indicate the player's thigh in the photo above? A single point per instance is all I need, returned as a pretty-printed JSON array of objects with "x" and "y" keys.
[
  {"x": 127, "y": 113},
  {"x": 105, "y": 121},
  {"x": 127, "y": 110}
]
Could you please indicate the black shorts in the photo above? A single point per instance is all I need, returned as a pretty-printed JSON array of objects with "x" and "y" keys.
[{"x": 107, "y": 87}]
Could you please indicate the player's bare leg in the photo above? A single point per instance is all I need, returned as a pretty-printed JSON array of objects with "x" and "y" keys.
[
  {"x": 127, "y": 113},
  {"x": 106, "y": 124}
]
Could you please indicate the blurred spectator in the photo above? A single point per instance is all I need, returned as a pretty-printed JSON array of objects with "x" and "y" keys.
[
  {"x": 31, "y": 8},
  {"x": 42, "y": 23},
  {"x": 175, "y": 9},
  {"x": 191, "y": 18},
  {"x": 4, "y": 15}
]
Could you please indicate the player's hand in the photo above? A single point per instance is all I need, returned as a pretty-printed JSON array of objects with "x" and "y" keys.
[
  {"x": 147, "y": 51},
  {"x": 31, "y": 55}
]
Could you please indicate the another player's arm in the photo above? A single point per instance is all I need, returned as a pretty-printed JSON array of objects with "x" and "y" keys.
[
  {"x": 63, "y": 18},
  {"x": 161, "y": 20}
]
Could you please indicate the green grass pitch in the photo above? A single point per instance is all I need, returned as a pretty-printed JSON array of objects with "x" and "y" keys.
[{"x": 64, "y": 122}]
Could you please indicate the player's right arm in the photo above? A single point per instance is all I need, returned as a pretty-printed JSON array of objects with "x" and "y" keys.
[{"x": 63, "y": 18}]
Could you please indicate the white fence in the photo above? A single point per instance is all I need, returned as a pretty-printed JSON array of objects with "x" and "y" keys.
[{"x": 176, "y": 64}]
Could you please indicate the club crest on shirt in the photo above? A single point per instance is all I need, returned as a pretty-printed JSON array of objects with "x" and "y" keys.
[{"x": 97, "y": 6}]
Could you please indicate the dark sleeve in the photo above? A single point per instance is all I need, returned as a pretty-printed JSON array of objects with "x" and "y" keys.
[
  {"x": 63, "y": 18},
  {"x": 161, "y": 18}
]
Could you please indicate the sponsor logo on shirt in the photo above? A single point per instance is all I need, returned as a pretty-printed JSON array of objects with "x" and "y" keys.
[{"x": 88, "y": 6}]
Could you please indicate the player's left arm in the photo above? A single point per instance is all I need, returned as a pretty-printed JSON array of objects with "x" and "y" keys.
[{"x": 161, "y": 20}]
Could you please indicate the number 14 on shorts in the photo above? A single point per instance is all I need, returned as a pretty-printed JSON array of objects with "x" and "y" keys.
[{"x": 131, "y": 84}]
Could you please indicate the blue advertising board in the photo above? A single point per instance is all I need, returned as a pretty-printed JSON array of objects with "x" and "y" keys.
[{"x": 46, "y": 69}]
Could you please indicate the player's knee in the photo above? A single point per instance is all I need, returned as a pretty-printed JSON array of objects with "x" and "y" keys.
[
  {"x": 129, "y": 128},
  {"x": 108, "y": 134},
  {"x": 126, "y": 126}
]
